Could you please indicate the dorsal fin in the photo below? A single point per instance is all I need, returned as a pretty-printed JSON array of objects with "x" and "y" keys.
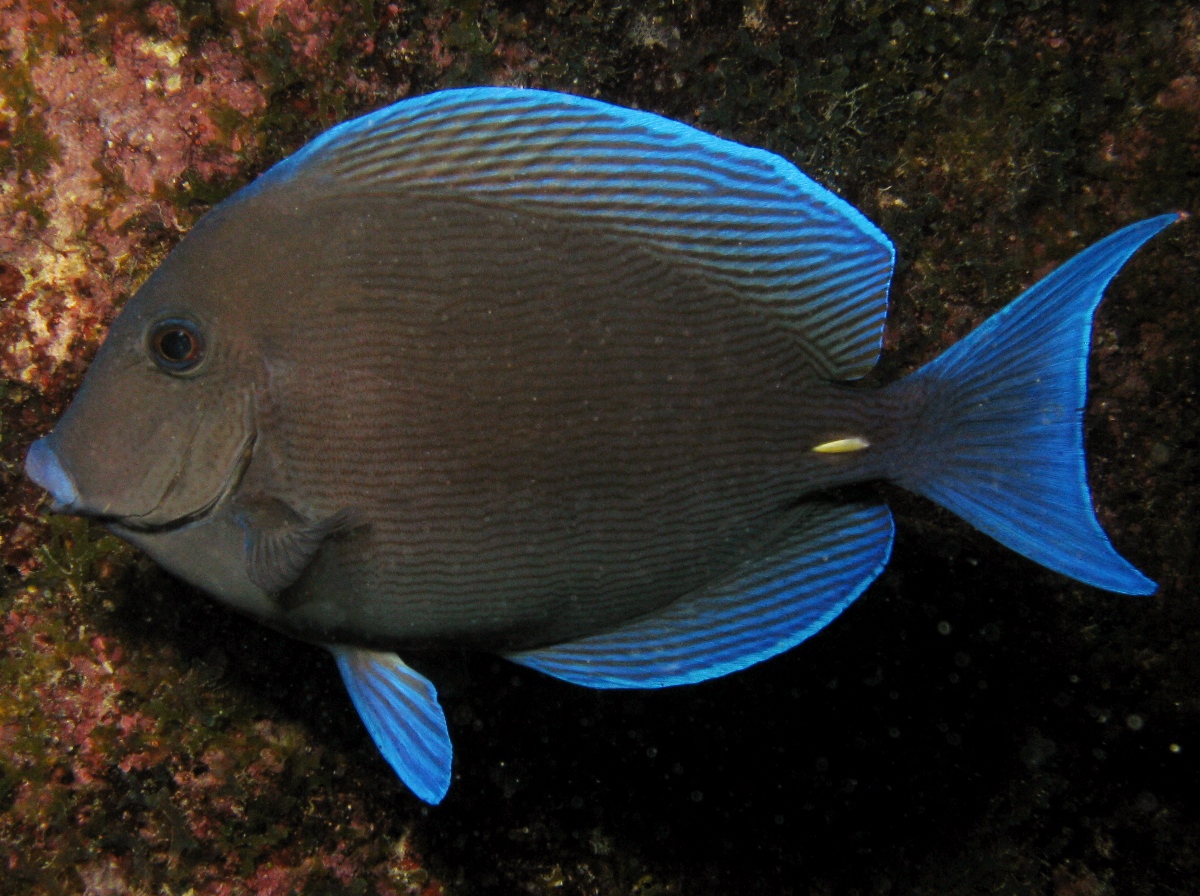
[{"x": 746, "y": 218}]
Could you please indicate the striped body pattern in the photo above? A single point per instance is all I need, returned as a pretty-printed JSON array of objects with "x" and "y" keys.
[{"x": 567, "y": 382}]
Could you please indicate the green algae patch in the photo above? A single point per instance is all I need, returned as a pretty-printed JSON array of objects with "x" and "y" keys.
[
  {"x": 75, "y": 554},
  {"x": 25, "y": 145},
  {"x": 104, "y": 719}
]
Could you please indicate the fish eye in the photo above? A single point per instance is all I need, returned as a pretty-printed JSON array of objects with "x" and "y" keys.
[{"x": 176, "y": 345}]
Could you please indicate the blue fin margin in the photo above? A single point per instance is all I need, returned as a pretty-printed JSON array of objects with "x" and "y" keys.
[
  {"x": 1002, "y": 441},
  {"x": 746, "y": 218},
  {"x": 401, "y": 711},
  {"x": 768, "y": 606}
]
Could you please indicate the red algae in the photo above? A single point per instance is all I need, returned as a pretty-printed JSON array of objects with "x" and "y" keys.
[
  {"x": 110, "y": 119},
  {"x": 307, "y": 24},
  {"x": 126, "y": 124}
]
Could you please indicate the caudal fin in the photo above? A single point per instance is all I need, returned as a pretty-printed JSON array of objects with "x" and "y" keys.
[{"x": 1001, "y": 437}]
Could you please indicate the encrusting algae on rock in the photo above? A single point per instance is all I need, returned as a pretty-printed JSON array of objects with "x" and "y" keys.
[
  {"x": 114, "y": 124},
  {"x": 115, "y": 129}
]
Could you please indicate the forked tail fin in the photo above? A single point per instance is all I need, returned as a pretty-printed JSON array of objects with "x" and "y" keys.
[{"x": 1000, "y": 437}]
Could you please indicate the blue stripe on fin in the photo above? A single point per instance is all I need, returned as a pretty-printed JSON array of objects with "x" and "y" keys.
[
  {"x": 401, "y": 711},
  {"x": 768, "y": 606},
  {"x": 744, "y": 217},
  {"x": 1002, "y": 437}
]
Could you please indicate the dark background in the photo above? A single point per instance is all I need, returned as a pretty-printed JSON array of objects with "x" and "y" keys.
[{"x": 973, "y": 724}]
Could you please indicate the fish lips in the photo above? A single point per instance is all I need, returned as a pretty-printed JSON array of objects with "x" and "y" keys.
[{"x": 43, "y": 467}]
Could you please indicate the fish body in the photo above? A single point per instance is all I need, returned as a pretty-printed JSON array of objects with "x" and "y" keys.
[
  {"x": 542, "y": 376},
  {"x": 587, "y": 403}
]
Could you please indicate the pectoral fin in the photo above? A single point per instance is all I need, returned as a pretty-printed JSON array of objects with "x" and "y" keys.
[
  {"x": 401, "y": 711},
  {"x": 280, "y": 543}
]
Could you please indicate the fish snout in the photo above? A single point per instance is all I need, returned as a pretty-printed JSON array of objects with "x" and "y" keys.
[{"x": 43, "y": 467}]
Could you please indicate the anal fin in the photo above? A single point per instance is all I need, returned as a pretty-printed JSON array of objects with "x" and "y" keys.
[
  {"x": 769, "y": 605},
  {"x": 401, "y": 711}
]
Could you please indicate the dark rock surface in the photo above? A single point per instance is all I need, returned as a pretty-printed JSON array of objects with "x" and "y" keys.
[{"x": 973, "y": 724}]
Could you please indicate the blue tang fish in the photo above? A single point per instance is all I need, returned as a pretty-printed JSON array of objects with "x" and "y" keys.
[{"x": 571, "y": 383}]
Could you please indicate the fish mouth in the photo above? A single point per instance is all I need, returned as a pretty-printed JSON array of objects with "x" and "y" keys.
[
  {"x": 44, "y": 468},
  {"x": 138, "y": 523}
]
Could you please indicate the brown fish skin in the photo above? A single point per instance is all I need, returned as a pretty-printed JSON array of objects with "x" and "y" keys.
[
  {"x": 153, "y": 450},
  {"x": 532, "y": 373},
  {"x": 576, "y": 432}
]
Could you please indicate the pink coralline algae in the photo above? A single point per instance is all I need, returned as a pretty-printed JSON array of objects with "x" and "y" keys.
[
  {"x": 114, "y": 778},
  {"x": 309, "y": 23},
  {"x": 123, "y": 126}
]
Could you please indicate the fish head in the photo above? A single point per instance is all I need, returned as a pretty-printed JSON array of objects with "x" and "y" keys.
[{"x": 162, "y": 427}]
